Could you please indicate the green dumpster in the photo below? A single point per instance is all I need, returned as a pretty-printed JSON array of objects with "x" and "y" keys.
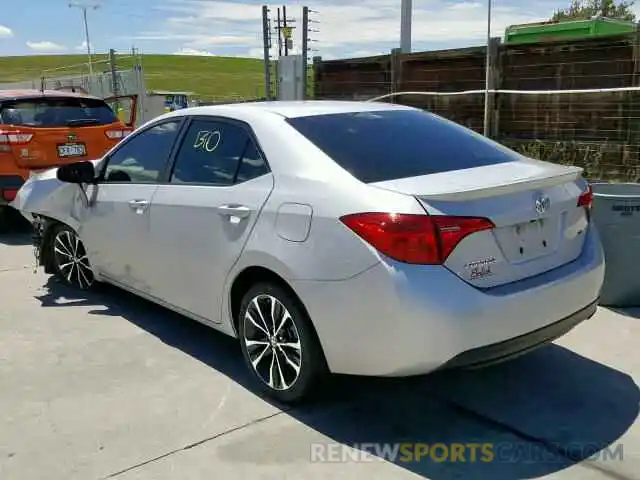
[{"x": 616, "y": 214}]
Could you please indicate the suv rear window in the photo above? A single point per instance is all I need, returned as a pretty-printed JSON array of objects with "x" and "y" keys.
[
  {"x": 56, "y": 112},
  {"x": 377, "y": 146}
]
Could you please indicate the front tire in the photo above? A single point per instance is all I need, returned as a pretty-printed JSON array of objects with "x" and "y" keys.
[
  {"x": 69, "y": 258},
  {"x": 279, "y": 344}
]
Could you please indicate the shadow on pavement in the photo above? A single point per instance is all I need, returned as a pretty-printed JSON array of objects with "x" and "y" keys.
[
  {"x": 535, "y": 415},
  {"x": 16, "y": 238},
  {"x": 14, "y": 229},
  {"x": 627, "y": 312}
]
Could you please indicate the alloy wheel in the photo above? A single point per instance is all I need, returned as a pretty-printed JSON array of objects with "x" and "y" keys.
[
  {"x": 71, "y": 259},
  {"x": 272, "y": 342}
]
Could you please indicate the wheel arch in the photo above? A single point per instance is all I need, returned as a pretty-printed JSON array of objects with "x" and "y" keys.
[
  {"x": 253, "y": 275},
  {"x": 248, "y": 277},
  {"x": 51, "y": 223},
  {"x": 47, "y": 236}
]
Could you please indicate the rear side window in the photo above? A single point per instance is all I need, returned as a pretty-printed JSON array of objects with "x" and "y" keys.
[
  {"x": 49, "y": 112},
  {"x": 385, "y": 145},
  {"x": 217, "y": 153}
]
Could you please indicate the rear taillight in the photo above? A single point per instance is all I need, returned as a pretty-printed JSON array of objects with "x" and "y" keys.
[
  {"x": 118, "y": 134},
  {"x": 417, "y": 239},
  {"x": 586, "y": 198},
  {"x": 14, "y": 137}
]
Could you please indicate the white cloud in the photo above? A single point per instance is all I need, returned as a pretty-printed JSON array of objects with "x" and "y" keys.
[
  {"x": 457, "y": 22},
  {"x": 203, "y": 41},
  {"x": 345, "y": 25},
  {"x": 255, "y": 53},
  {"x": 363, "y": 53},
  {"x": 204, "y": 10},
  {"x": 194, "y": 52},
  {"x": 329, "y": 56},
  {"x": 83, "y": 47},
  {"x": 45, "y": 46},
  {"x": 5, "y": 32}
]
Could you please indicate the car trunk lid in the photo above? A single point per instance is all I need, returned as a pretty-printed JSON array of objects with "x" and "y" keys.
[{"x": 533, "y": 205}]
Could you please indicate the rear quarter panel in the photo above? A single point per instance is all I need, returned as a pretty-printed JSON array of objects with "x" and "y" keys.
[{"x": 304, "y": 175}]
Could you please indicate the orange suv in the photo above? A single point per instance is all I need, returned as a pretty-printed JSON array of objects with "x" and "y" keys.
[{"x": 46, "y": 129}]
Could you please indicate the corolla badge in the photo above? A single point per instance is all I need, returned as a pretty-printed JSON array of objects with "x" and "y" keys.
[{"x": 542, "y": 204}]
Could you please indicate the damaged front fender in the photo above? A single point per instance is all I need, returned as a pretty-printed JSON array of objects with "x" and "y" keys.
[{"x": 46, "y": 196}]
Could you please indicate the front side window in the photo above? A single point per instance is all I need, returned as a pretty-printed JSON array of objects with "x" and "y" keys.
[
  {"x": 377, "y": 146},
  {"x": 52, "y": 112},
  {"x": 217, "y": 153},
  {"x": 143, "y": 158}
]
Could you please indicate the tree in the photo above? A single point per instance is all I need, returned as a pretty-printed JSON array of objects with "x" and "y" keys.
[{"x": 584, "y": 9}]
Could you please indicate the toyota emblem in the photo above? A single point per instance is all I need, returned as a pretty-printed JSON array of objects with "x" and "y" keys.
[{"x": 542, "y": 204}]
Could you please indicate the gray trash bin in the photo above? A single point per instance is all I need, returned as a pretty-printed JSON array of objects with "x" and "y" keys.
[{"x": 616, "y": 214}]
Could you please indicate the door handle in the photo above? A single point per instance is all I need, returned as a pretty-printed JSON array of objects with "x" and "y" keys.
[
  {"x": 239, "y": 211},
  {"x": 138, "y": 205}
]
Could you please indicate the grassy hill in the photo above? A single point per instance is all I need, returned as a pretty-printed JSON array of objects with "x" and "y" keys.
[{"x": 209, "y": 78}]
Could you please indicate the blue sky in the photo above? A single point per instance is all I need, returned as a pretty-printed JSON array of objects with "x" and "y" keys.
[{"x": 347, "y": 28}]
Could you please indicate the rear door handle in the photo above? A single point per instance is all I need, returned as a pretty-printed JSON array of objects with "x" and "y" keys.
[
  {"x": 239, "y": 211},
  {"x": 138, "y": 205}
]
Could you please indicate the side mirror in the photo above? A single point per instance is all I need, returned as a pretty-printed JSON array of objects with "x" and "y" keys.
[{"x": 79, "y": 172}]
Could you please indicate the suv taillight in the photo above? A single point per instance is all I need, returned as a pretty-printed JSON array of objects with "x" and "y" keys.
[
  {"x": 117, "y": 134},
  {"x": 14, "y": 137},
  {"x": 417, "y": 239}
]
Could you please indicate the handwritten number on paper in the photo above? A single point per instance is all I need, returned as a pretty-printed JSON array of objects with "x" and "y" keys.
[{"x": 207, "y": 140}]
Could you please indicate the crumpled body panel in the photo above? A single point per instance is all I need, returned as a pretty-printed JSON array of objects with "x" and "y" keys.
[{"x": 43, "y": 194}]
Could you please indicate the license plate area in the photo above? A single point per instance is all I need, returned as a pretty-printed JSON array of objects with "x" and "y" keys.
[
  {"x": 70, "y": 150},
  {"x": 528, "y": 240}
]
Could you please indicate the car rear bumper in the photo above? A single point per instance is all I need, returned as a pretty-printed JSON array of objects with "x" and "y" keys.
[
  {"x": 397, "y": 319},
  {"x": 514, "y": 347}
]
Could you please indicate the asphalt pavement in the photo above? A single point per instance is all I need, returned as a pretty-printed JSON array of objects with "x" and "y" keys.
[{"x": 107, "y": 385}]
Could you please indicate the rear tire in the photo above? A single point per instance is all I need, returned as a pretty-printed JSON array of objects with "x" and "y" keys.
[
  {"x": 69, "y": 258},
  {"x": 279, "y": 344}
]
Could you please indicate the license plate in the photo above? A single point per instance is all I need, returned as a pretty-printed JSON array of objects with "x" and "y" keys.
[
  {"x": 72, "y": 150},
  {"x": 533, "y": 237}
]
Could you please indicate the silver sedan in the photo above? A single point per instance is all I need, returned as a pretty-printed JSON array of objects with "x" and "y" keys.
[{"x": 329, "y": 237}]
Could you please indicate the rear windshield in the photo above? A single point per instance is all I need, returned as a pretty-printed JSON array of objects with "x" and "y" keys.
[
  {"x": 386, "y": 145},
  {"x": 56, "y": 112}
]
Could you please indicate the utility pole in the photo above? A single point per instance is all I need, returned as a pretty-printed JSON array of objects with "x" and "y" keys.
[
  {"x": 284, "y": 24},
  {"x": 266, "y": 40},
  {"x": 279, "y": 31},
  {"x": 284, "y": 31},
  {"x": 487, "y": 80},
  {"x": 84, "y": 7},
  {"x": 307, "y": 32},
  {"x": 114, "y": 70},
  {"x": 406, "y": 14},
  {"x": 305, "y": 50}
]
